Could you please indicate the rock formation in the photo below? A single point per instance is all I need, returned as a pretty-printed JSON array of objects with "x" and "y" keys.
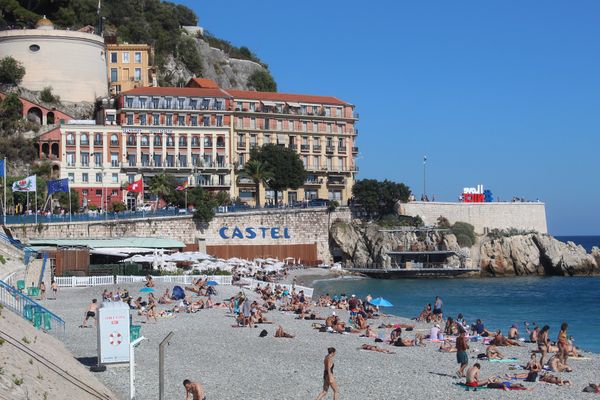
[{"x": 362, "y": 244}]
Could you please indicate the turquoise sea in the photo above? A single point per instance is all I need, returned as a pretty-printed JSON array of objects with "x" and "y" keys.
[{"x": 499, "y": 302}]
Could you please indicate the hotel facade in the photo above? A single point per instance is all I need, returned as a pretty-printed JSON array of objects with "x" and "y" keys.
[{"x": 203, "y": 134}]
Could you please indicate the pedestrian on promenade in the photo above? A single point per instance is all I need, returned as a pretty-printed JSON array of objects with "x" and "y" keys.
[{"x": 328, "y": 378}]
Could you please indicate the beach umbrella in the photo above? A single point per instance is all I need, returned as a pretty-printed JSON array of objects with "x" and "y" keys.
[
  {"x": 381, "y": 302},
  {"x": 212, "y": 283},
  {"x": 146, "y": 290}
]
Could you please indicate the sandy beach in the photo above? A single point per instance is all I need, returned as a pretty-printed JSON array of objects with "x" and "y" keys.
[{"x": 234, "y": 363}]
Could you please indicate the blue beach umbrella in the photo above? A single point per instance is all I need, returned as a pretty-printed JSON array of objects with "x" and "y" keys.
[
  {"x": 147, "y": 290},
  {"x": 212, "y": 283},
  {"x": 381, "y": 302}
]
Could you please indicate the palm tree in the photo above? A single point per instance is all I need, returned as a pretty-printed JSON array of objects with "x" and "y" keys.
[
  {"x": 160, "y": 186},
  {"x": 258, "y": 172}
]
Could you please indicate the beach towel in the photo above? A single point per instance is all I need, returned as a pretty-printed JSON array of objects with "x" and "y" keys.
[
  {"x": 467, "y": 388},
  {"x": 506, "y": 360},
  {"x": 178, "y": 293}
]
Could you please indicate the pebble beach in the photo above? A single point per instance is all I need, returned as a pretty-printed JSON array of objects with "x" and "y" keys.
[{"x": 235, "y": 363}]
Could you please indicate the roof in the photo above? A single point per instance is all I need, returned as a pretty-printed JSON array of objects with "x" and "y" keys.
[
  {"x": 177, "y": 91},
  {"x": 285, "y": 97},
  {"x": 142, "y": 242},
  {"x": 203, "y": 83},
  {"x": 53, "y": 134}
]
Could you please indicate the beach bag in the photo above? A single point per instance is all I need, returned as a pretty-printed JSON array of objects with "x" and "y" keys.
[
  {"x": 263, "y": 333},
  {"x": 177, "y": 293},
  {"x": 481, "y": 356}
]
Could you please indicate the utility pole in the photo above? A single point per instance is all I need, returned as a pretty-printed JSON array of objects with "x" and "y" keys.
[{"x": 424, "y": 177}]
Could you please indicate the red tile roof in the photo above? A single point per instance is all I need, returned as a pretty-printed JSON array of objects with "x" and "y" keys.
[
  {"x": 202, "y": 83},
  {"x": 273, "y": 96},
  {"x": 177, "y": 91},
  {"x": 53, "y": 134}
]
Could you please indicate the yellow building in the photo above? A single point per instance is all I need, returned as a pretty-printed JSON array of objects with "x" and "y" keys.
[{"x": 129, "y": 66}]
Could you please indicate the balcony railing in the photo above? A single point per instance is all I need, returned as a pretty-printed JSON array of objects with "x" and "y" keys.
[
  {"x": 317, "y": 148},
  {"x": 241, "y": 146},
  {"x": 304, "y": 147},
  {"x": 336, "y": 181},
  {"x": 341, "y": 149},
  {"x": 355, "y": 150},
  {"x": 329, "y": 149}
]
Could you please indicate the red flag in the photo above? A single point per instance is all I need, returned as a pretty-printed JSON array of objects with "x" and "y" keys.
[
  {"x": 137, "y": 186},
  {"x": 183, "y": 186}
]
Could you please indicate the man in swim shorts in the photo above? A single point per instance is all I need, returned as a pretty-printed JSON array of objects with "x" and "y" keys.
[
  {"x": 461, "y": 352},
  {"x": 91, "y": 313},
  {"x": 195, "y": 389}
]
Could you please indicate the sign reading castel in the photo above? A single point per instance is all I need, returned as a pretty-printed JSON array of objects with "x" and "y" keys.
[
  {"x": 261, "y": 232},
  {"x": 476, "y": 195}
]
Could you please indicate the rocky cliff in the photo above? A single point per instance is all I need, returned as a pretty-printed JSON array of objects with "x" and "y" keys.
[{"x": 361, "y": 244}]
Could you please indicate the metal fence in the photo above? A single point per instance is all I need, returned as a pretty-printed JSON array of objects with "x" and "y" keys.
[
  {"x": 29, "y": 309},
  {"x": 86, "y": 281},
  {"x": 124, "y": 215}
]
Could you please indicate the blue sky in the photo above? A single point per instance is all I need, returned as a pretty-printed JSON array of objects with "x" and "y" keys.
[{"x": 505, "y": 94}]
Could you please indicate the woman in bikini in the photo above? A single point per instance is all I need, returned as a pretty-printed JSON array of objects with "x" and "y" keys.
[
  {"x": 563, "y": 344},
  {"x": 371, "y": 347}
]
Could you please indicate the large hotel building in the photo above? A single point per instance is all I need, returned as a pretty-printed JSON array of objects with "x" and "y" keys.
[{"x": 204, "y": 134}]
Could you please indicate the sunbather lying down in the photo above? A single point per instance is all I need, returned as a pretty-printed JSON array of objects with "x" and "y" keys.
[
  {"x": 371, "y": 347},
  {"x": 280, "y": 333},
  {"x": 549, "y": 378}
]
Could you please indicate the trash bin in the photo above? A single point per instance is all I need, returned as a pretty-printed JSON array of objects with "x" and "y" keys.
[
  {"x": 21, "y": 285},
  {"x": 33, "y": 291},
  {"x": 37, "y": 317},
  {"x": 28, "y": 312},
  {"x": 134, "y": 331},
  {"x": 47, "y": 321}
]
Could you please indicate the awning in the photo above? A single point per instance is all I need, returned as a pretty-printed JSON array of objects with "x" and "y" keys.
[
  {"x": 269, "y": 103},
  {"x": 293, "y": 104}
]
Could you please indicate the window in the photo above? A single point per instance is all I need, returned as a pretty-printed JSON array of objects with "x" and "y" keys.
[
  {"x": 144, "y": 141},
  {"x": 207, "y": 141},
  {"x": 155, "y": 102},
  {"x": 206, "y": 120},
  {"x": 115, "y": 178},
  {"x": 125, "y": 57},
  {"x": 143, "y": 119},
  {"x": 220, "y": 142},
  {"x": 193, "y": 104},
  {"x": 114, "y": 75},
  {"x": 84, "y": 192},
  {"x": 168, "y": 102},
  {"x": 129, "y": 120},
  {"x": 304, "y": 126},
  {"x": 338, "y": 112},
  {"x": 219, "y": 120},
  {"x": 195, "y": 141},
  {"x": 98, "y": 177},
  {"x": 205, "y": 104},
  {"x": 180, "y": 103},
  {"x": 315, "y": 127},
  {"x": 70, "y": 159},
  {"x": 182, "y": 160},
  {"x": 310, "y": 194},
  {"x": 114, "y": 140},
  {"x": 181, "y": 120},
  {"x": 145, "y": 159},
  {"x": 129, "y": 101},
  {"x": 194, "y": 120},
  {"x": 98, "y": 192},
  {"x": 252, "y": 106},
  {"x": 137, "y": 74},
  {"x": 267, "y": 139},
  {"x": 157, "y": 160},
  {"x": 70, "y": 138},
  {"x": 182, "y": 141},
  {"x": 98, "y": 159},
  {"x": 142, "y": 102},
  {"x": 195, "y": 159},
  {"x": 130, "y": 178},
  {"x": 253, "y": 123},
  {"x": 291, "y": 125},
  {"x": 71, "y": 177},
  {"x": 157, "y": 140},
  {"x": 85, "y": 159},
  {"x": 85, "y": 177},
  {"x": 241, "y": 159},
  {"x": 169, "y": 120},
  {"x": 155, "y": 119},
  {"x": 170, "y": 160},
  {"x": 218, "y": 105},
  {"x": 137, "y": 57},
  {"x": 316, "y": 161},
  {"x": 170, "y": 141},
  {"x": 114, "y": 159},
  {"x": 131, "y": 159},
  {"x": 113, "y": 57},
  {"x": 83, "y": 139},
  {"x": 131, "y": 140},
  {"x": 98, "y": 139},
  {"x": 316, "y": 141}
]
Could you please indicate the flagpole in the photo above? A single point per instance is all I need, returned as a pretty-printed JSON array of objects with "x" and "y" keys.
[
  {"x": 35, "y": 200},
  {"x": 70, "y": 217},
  {"x": 4, "y": 190}
]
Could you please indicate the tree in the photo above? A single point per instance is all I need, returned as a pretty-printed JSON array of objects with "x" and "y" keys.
[
  {"x": 464, "y": 232},
  {"x": 47, "y": 96},
  {"x": 63, "y": 200},
  {"x": 117, "y": 206},
  {"x": 11, "y": 112},
  {"x": 262, "y": 81},
  {"x": 188, "y": 53},
  {"x": 259, "y": 173},
  {"x": 162, "y": 185},
  {"x": 285, "y": 165},
  {"x": 379, "y": 198},
  {"x": 11, "y": 71}
]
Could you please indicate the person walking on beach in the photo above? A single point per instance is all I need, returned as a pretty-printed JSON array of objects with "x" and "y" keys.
[
  {"x": 543, "y": 343},
  {"x": 563, "y": 344},
  {"x": 54, "y": 287},
  {"x": 437, "y": 308},
  {"x": 195, "y": 389},
  {"x": 91, "y": 313},
  {"x": 328, "y": 378},
  {"x": 42, "y": 291},
  {"x": 461, "y": 352}
]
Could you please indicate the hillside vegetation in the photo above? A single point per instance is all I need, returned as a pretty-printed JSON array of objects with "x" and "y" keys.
[{"x": 178, "y": 55}]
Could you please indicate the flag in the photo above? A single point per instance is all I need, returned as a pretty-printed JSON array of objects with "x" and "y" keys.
[
  {"x": 137, "y": 186},
  {"x": 58, "y": 185},
  {"x": 182, "y": 186},
  {"x": 1, "y": 167},
  {"x": 25, "y": 185}
]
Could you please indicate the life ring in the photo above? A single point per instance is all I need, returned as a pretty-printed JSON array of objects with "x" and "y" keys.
[{"x": 115, "y": 339}]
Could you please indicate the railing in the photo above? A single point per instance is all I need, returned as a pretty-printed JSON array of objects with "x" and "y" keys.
[
  {"x": 86, "y": 281},
  {"x": 28, "y": 252},
  {"x": 251, "y": 283},
  {"x": 26, "y": 307}
]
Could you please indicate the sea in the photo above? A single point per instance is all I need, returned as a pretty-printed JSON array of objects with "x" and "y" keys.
[{"x": 498, "y": 302}]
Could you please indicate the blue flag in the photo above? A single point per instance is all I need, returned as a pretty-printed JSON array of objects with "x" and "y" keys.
[
  {"x": 2, "y": 167},
  {"x": 58, "y": 185}
]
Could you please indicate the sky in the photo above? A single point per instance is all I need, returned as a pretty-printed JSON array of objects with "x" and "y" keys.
[{"x": 504, "y": 94}]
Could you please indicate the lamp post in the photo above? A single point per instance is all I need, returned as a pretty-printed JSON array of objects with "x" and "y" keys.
[{"x": 424, "y": 177}]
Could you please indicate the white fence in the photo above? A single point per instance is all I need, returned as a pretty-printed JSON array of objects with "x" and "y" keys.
[
  {"x": 252, "y": 283},
  {"x": 84, "y": 281}
]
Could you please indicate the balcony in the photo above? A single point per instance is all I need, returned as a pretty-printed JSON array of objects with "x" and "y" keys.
[
  {"x": 214, "y": 182},
  {"x": 304, "y": 148},
  {"x": 354, "y": 150},
  {"x": 336, "y": 181},
  {"x": 317, "y": 148},
  {"x": 329, "y": 149},
  {"x": 313, "y": 182},
  {"x": 341, "y": 149},
  {"x": 241, "y": 146},
  {"x": 242, "y": 180},
  {"x": 293, "y": 146}
]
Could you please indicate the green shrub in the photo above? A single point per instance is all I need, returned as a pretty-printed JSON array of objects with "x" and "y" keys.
[
  {"x": 443, "y": 223},
  {"x": 2, "y": 259},
  {"x": 262, "y": 81},
  {"x": 47, "y": 97},
  {"x": 465, "y": 233},
  {"x": 118, "y": 206},
  {"x": 333, "y": 205},
  {"x": 11, "y": 71}
]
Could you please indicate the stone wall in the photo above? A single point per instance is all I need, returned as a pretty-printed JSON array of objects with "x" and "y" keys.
[
  {"x": 483, "y": 216},
  {"x": 273, "y": 227}
]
